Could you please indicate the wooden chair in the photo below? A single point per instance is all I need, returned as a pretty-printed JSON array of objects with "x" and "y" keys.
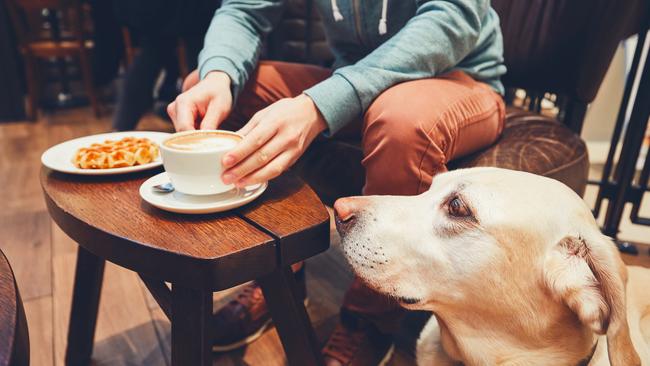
[
  {"x": 14, "y": 337},
  {"x": 34, "y": 44}
]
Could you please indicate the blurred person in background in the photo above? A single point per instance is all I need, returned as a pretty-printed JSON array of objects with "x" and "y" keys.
[
  {"x": 157, "y": 26},
  {"x": 108, "y": 46}
]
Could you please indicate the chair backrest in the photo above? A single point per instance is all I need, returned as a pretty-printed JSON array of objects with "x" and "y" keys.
[
  {"x": 35, "y": 5},
  {"x": 300, "y": 36},
  {"x": 565, "y": 46},
  {"x": 27, "y": 19}
]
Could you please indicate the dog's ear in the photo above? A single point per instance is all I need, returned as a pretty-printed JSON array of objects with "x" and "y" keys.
[{"x": 588, "y": 275}]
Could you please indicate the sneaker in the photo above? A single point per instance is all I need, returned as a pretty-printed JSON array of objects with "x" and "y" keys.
[
  {"x": 357, "y": 342},
  {"x": 244, "y": 319}
]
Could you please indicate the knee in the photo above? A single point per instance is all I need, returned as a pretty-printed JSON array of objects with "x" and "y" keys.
[
  {"x": 389, "y": 125},
  {"x": 389, "y": 132},
  {"x": 394, "y": 123},
  {"x": 398, "y": 143}
]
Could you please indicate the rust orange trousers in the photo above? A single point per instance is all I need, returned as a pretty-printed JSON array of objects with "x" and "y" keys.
[{"x": 408, "y": 134}]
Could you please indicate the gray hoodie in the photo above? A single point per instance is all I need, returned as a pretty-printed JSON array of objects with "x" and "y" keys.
[{"x": 377, "y": 44}]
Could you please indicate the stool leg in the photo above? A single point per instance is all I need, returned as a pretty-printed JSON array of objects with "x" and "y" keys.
[
  {"x": 290, "y": 318},
  {"x": 191, "y": 315},
  {"x": 85, "y": 302}
]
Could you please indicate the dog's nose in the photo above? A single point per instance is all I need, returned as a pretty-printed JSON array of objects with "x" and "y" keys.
[
  {"x": 344, "y": 208},
  {"x": 346, "y": 211}
]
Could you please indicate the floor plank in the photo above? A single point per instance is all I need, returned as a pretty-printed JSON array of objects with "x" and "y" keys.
[
  {"x": 61, "y": 243},
  {"x": 125, "y": 334},
  {"x": 25, "y": 240},
  {"x": 21, "y": 146},
  {"x": 39, "y": 321},
  {"x": 162, "y": 326}
]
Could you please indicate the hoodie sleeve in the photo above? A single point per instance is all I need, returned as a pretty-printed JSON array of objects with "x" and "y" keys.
[
  {"x": 436, "y": 39},
  {"x": 234, "y": 39}
]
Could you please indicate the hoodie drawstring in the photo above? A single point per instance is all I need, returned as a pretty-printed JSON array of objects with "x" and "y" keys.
[
  {"x": 336, "y": 12},
  {"x": 384, "y": 18},
  {"x": 383, "y": 28}
]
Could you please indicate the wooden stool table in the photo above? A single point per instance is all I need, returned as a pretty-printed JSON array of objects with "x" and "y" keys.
[
  {"x": 197, "y": 254},
  {"x": 14, "y": 337}
]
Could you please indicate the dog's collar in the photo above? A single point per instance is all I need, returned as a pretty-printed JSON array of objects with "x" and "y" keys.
[{"x": 585, "y": 361}]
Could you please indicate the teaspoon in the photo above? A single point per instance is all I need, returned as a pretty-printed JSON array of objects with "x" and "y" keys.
[{"x": 163, "y": 188}]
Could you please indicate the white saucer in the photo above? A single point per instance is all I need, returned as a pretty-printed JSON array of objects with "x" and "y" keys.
[
  {"x": 59, "y": 157},
  {"x": 191, "y": 204}
]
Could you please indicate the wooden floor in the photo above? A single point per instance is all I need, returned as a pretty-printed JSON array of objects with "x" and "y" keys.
[{"x": 132, "y": 330}]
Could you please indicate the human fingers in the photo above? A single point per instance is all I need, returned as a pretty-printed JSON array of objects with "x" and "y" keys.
[
  {"x": 171, "y": 111},
  {"x": 251, "y": 124},
  {"x": 185, "y": 113},
  {"x": 262, "y": 156},
  {"x": 269, "y": 171},
  {"x": 249, "y": 144}
]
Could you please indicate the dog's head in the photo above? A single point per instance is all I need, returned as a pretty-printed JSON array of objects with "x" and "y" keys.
[{"x": 488, "y": 238}]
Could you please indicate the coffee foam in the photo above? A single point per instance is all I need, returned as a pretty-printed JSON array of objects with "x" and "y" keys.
[{"x": 202, "y": 142}]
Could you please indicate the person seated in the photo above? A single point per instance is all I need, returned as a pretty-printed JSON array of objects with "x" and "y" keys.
[
  {"x": 157, "y": 26},
  {"x": 417, "y": 81}
]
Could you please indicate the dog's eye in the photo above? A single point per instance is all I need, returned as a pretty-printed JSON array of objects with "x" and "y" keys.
[{"x": 457, "y": 208}]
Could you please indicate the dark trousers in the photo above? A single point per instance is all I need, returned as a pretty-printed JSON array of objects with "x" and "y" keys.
[{"x": 159, "y": 52}]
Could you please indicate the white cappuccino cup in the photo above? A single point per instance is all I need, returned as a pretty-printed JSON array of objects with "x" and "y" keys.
[{"x": 192, "y": 160}]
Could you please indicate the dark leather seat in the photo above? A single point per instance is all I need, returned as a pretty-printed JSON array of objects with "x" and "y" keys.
[
  {"x": 533, "y": 143},
  {"x": 557, "y": 46}
]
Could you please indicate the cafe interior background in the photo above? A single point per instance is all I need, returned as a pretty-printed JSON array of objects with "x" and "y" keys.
[{"x": 132, "y": 329}]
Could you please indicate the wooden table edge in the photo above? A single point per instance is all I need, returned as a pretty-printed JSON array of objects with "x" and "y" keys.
[
  {"x": 17, "y": 320},
  {"x": 276, "y": 251},
  {"x": 90, "y": 238},
  {"x": 318, "y": 233}
]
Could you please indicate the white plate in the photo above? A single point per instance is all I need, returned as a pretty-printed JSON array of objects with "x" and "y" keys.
[
  {"x": 59, "y": 157},
  {"x": 191, "y": 204}
]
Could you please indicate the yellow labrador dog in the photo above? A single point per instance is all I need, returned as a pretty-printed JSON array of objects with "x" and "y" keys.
[{"x": 512, "y": 265}]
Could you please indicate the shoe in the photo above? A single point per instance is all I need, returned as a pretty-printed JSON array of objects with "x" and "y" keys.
[
  {"x": 244, "y": 319},
  {"x": 357, "y": 342}
]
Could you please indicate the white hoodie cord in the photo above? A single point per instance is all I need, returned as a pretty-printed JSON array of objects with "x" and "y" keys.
[
  {"x": 384, "y": 17},
  {"x": 383, "y": 28},
  {"x": 336, "y": 12}
]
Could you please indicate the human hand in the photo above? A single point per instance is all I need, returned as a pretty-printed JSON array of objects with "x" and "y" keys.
[
  {"x": 209, "y": 99},
  {"x": 273, "y": 140}
]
